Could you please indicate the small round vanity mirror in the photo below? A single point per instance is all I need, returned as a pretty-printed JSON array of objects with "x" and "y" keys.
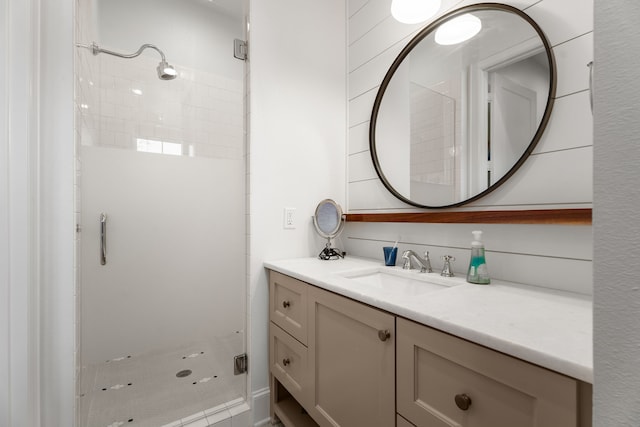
[
  {"x": 329, "y": 221},
  {"x": 454, "y": 118}
]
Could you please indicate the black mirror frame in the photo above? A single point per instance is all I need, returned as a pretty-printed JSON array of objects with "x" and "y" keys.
[{"x": 403, "y": 54}]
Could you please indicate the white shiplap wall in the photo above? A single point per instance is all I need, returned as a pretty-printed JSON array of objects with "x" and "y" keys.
[{"x": 558, "y": 174}]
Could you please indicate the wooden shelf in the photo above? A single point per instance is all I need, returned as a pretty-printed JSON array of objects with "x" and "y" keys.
[
  {"x": 292, "y": 415},
  {"x": 537, "y": 216}
]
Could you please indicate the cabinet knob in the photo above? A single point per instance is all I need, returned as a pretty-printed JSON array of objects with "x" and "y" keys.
[
  {"x": 286, "y": 361},
  {"x": 384, "y": 334},
  {"x": 463, "y": 401},
  {"x": 286, "y": 304}
]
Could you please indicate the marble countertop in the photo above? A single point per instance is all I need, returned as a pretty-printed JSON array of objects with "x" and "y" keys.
[{"x": 552, "y": 329}]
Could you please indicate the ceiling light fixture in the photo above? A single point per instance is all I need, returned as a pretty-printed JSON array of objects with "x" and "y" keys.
[
  {"x": 414, "y": 11},
  {"x": 458, "y": 29}
]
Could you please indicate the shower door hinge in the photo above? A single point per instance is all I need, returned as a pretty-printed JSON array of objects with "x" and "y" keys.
[
  {"x": 240, "y": 364},
  {"x": 240, "y": 49}
]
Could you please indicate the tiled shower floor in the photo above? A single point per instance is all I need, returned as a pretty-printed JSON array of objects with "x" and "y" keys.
[{"x": 144, "y": 390}]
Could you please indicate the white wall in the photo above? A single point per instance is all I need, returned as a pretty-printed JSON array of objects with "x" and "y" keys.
[
  {"x": 18, "y": 304},
  {"x": 297, "y": 141},
  {"x": 616, "y": 204},
  {"x": 36, "y": 214},
  {"x": 56, "y": 227},
  {"x": 558, "y": 174}
]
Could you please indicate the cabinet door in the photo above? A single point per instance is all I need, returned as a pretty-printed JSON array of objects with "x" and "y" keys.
[
  {"x": 445, "y": 381},
  {"x": 401, "y": 422},
  {"x": 352, "y": 360}
]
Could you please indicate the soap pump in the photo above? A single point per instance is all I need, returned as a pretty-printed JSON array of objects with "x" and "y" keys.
[{"x": 478, "y": 272}]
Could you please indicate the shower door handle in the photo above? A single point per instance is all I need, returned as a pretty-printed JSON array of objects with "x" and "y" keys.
[
  {"x": 590, "y": 65},
  {"x": 103, "y": 238}
]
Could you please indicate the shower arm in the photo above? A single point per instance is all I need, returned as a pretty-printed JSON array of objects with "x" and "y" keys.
[
  {"x": 165, "y": 71},
  {"x": 95, "y": 49}
]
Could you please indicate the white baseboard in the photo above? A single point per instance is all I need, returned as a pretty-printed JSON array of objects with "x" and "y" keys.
[{"x": 261, "y": 400}]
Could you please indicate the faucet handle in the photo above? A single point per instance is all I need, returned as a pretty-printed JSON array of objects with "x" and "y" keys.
[
  {"x": 446, "y": 269},
  {"x": 427, "y": 262},
  {"x": 406, "y": 265}
]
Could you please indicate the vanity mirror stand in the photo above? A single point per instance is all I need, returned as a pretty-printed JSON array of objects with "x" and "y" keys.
[{"x": 329, "y": 221}]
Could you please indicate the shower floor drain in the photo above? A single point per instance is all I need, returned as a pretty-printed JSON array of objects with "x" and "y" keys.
[{"x": 184, "y": 373}]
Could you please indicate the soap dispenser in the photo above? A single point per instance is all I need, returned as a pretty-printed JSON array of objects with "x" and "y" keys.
[{"x": 478, "y": 272}]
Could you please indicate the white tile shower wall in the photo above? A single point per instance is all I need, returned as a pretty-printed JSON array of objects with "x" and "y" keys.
[
  {"x": 557, "y": 175},
  {"x": 125, "y": 101}
]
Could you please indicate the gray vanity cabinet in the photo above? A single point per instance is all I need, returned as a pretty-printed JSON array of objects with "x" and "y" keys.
[
  {"x": 444, "y": 381},
  {"x": 341, "y": 370},
  {"x": 338, "y": 362}
]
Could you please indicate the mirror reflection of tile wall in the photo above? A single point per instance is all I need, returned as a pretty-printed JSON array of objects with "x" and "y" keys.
[{"x": 432, "y": 136}]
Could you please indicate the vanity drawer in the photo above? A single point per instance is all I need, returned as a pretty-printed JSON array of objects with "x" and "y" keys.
[
  {"x": 446, "y": 381},
  {"x": 288, "y": 363},
  {"x": 288, "y": 304}
]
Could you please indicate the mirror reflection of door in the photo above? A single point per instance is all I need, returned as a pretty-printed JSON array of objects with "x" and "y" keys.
[
  {"x": 511, "y": 96},
  {"x": 512, "y": 123}
]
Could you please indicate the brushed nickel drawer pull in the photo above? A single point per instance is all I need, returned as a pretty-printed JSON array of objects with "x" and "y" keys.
[
  {"x": 463, "y": 401},
  {"x": 384, "y": 334},
  {"x": 286, "y": 361},
  {"x": 286, "y": 304}
]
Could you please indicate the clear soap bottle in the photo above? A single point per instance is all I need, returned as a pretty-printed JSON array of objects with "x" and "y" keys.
[{"x": 478, "y": 272}]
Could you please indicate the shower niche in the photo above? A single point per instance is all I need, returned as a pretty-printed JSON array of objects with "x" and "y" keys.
[{"x": 161, "y": 302}]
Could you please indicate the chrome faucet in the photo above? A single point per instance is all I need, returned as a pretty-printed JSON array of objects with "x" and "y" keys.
[{"x": 423, "y": 263}]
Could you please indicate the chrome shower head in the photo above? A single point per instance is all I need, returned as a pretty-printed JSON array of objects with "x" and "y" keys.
[{"x": 166, "y": 71}]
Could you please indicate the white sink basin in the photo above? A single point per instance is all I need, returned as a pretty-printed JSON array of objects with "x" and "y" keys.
[{"x": 410, "y": 283}]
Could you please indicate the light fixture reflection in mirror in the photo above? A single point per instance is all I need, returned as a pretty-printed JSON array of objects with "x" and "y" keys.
[
  {"x": 458, "y": 30},
  {"x": 414, "y": 11}
]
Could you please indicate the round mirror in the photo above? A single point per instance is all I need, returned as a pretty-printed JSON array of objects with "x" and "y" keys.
[
  {"x": 328, "y": 221},
  {"x": 462, "y": 106}
]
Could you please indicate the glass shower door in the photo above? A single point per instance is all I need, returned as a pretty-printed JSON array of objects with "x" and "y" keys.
[{"x": 161, "y": 253}]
